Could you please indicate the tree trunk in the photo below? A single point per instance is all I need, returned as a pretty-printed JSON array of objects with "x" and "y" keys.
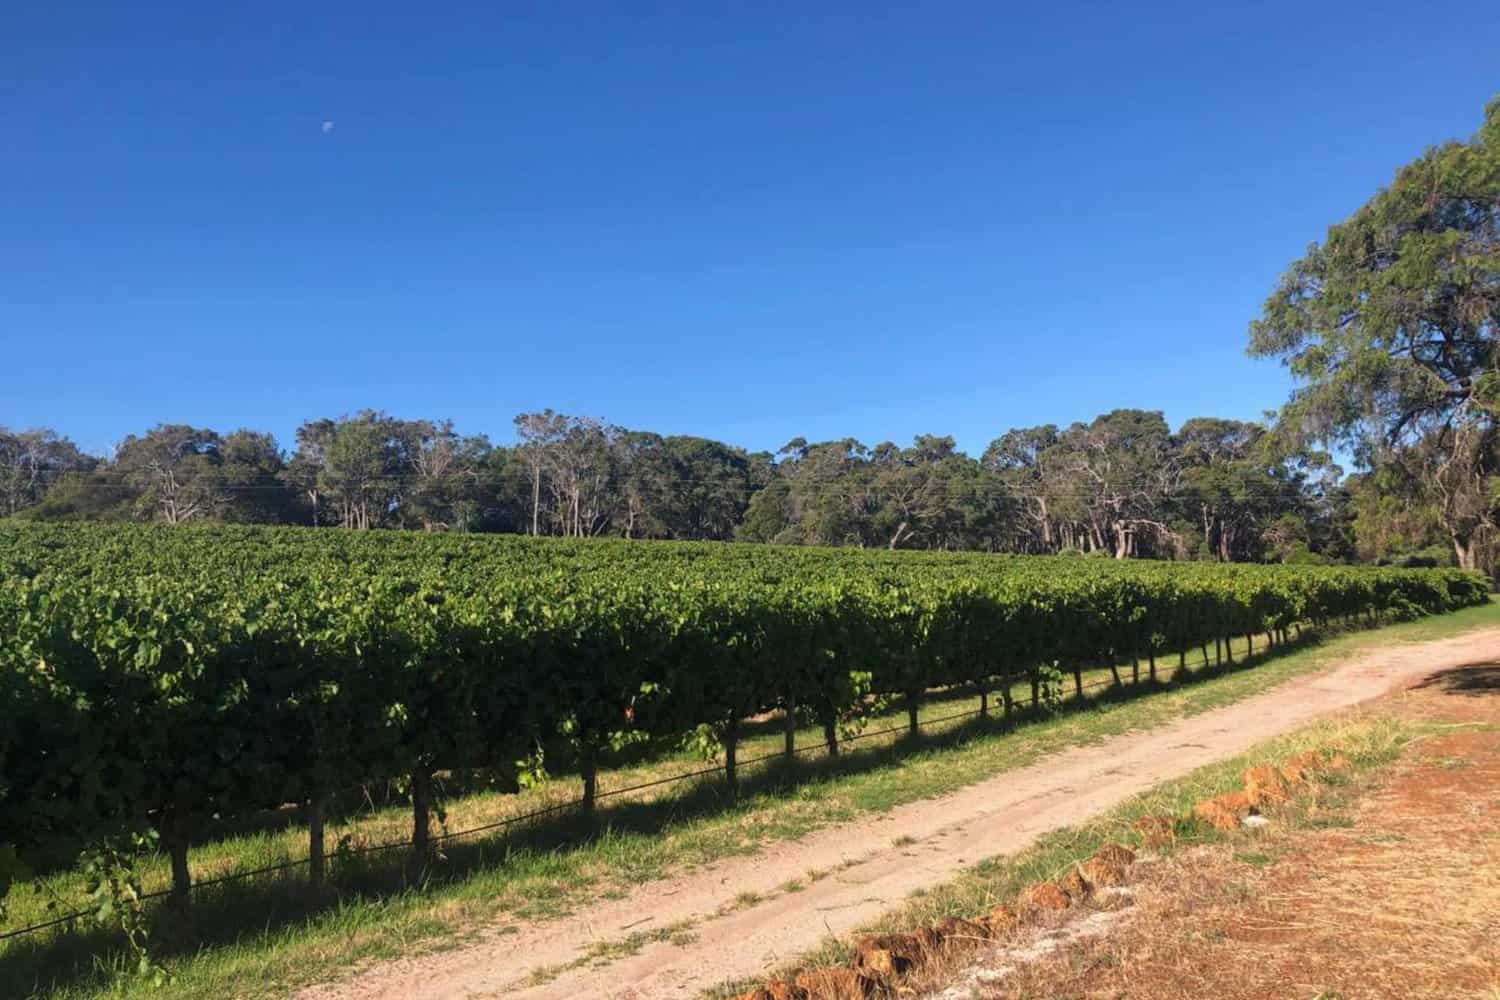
[
  {"x": 731, "y": 745},
  {"x": 315, "y": 857},
  {"x": 588, "y": 769},
  {"x": 182, "y": 879},
  {"x": 831, "y": 735},
  {"x": 421, "y": 812},
  {"x": 536, "y": 498},
  {"x": 789, "y": 727},
  {"x": 175, "y": 839},
  {"x": 913, "y": 702}
]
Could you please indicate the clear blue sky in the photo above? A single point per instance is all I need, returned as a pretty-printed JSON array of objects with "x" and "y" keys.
[{"x": 748, "y": 221}]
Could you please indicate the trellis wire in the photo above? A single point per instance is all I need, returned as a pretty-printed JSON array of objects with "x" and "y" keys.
[{"x": 574, "y": 803}]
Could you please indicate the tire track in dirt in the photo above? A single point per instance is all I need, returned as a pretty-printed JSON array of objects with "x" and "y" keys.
[{"x": 877, "y": 861}]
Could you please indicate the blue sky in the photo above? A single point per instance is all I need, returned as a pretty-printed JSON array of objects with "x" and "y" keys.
[{"x": 747, "y": 221}]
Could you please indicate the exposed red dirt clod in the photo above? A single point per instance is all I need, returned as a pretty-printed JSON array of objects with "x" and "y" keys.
[
  {"x": 775, "y": 991},
  {"x": 1002, "y": 920},
  {"x": 956, "y": 928},
  {"x": 1156, "y": 831},
  {"x": 1044, "y": 896},
  {"x": 1265, "y": 786},
  {"x": 1302, "y": 768},
  {"x": 836, "y": 984},
  {"x": 1075, "y": 885},
  {"x": 888, "y": 955},
  {"x": 1224, "y": 812},
  {"x": 1103, "y": 872},
  {"x": 1116, "y": 854}
]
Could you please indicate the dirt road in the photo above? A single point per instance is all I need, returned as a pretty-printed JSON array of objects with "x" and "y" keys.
[{"x": 875, "y": 863}]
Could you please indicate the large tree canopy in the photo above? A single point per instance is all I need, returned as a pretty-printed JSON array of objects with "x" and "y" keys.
[
  {"x": 1390, "y": 327},
  {"x": 1391, "y": 321}
]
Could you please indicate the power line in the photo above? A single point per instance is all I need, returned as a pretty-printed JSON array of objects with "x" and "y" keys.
[{"x": 821, "y": 489}]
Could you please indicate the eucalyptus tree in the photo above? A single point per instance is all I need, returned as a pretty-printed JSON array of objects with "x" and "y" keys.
[
  {"x": 1389, "y": 325},
  {"x": 363, "y": 465},
  {"x": 832, "y": 496},
  {"x": 444, "y": 482},
  {"x": 174, "y": 471},
  {"x": 931, "y": 495},
  {"x": 1124, "y": 465},
  {"x": 1028, "y": 463},
  {"x": 1233, "y": 488},
  {"x": 536, "y": 435},
  {"x": 303, "y": 468},
  {"x": 706, "y": 487},
  {"x": 31, "y": 461},
  {"x": 252, "y": 480},
  {"x": 355, "y": 469}
]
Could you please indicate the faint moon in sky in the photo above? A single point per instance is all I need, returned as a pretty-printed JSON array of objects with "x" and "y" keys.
[{"x": 327, "y": 126}]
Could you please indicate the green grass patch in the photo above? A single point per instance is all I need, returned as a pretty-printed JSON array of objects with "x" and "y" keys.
[{"x": 604, "y": 952}]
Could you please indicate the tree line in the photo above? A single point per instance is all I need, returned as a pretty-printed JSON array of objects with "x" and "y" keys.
[{"x": 1122, "y": 485}]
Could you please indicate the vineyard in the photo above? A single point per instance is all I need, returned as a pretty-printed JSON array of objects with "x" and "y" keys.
[{"x": 173, "y": 680}]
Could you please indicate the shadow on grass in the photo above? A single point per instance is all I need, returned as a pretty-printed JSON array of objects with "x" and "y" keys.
[
  {"x": 226, "y": 913},
  {"x": 355, "y": 801}
]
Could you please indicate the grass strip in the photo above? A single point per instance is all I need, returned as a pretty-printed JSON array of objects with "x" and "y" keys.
[{"x": 1370, "y": 743}]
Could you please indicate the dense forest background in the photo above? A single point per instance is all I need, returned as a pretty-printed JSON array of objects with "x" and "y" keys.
[
  {"x": 1389, "y": 327},
  {"x": 1123, "y": 484}
]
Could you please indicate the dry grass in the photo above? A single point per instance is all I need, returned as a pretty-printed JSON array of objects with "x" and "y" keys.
[
  {"x": 1058, "y": 911},
  {"x": 1380, "y": 884}
]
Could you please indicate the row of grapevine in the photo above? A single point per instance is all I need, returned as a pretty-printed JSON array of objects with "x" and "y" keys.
[{"x": 178, "y": 679}]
